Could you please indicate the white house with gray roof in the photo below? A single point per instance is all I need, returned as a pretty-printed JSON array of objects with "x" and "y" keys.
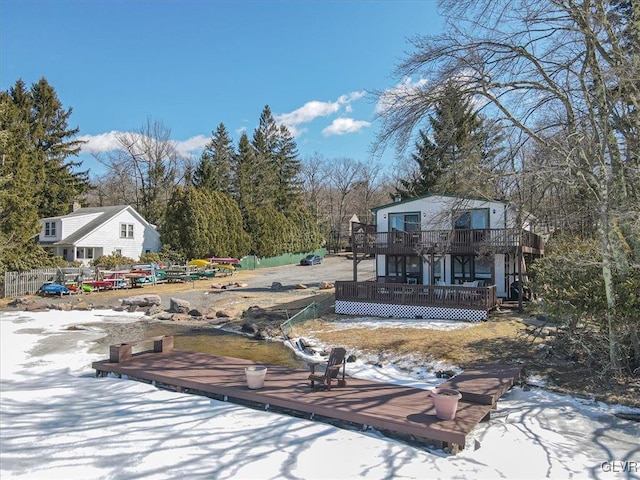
[{"x": 87, "y": 233}]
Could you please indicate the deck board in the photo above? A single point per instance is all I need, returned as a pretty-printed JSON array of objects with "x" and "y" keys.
[
  {"x": 484, "y": 383},
  {"x": 391, "y": 408}
]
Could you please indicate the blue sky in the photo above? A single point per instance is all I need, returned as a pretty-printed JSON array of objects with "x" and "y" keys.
[{"x": 194, "y": 64}]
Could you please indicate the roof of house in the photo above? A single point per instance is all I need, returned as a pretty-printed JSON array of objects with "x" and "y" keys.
[
  {"x": 106, "y": 213},
  {"x": 422, "y": 197}
]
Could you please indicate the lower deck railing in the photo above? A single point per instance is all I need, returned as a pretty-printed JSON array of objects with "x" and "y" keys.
[{"x": 448, "y": 296}]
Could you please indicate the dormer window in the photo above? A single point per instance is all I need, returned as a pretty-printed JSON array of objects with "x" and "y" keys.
[{"x": 49, "y": 229}]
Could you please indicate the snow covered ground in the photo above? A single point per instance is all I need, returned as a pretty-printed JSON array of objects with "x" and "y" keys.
[{"x": 57, "y": 421}]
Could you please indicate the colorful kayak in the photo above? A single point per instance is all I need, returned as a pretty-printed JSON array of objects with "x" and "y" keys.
[
  {"x": 199, "y": 262},
  {"x": 54, "y": 289}
]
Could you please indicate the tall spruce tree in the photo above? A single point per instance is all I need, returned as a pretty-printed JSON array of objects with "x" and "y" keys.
[
  {"x": 288, "y": 166},
  {"x": 246, "y": 176},
  {"x": 54, "y": 146},
  {"x": 214, "y": 170},
  {"x": 265, "y": 144},
  {"x": 455, "y": 152},
  {"x": 36, "y": 178},
  {"x": 18, "y": 186}
]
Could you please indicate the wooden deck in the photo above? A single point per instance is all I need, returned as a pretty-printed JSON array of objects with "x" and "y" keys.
[
  {"x": 395, "y": 410},
  {"x": 442, "y": 296},
  {"x": 500, "y": 240}
]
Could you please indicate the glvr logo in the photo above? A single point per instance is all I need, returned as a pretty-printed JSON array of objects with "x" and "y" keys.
[{"x": 620, "y": 467}]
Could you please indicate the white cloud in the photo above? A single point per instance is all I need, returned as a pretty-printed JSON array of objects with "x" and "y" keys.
[
  {"x": 108, "y": 142},
  {"x": 104, "y": 142},
  {"x": 340, "y": 126},
  {"x": 315, "y": 109},
  {"x": 402, "y": 90},
  {"x": 191, "y": 145},
  {"x": 308, "y": 112}
]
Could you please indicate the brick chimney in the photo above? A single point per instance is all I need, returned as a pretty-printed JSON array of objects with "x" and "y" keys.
[{"x": 74, "y": 206}]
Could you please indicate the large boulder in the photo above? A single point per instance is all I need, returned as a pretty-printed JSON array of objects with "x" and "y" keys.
[
  {"x": 177, "y": 305},
  {"x": 248, "y": 327},
  {"x": 225, "y": 313},
  {"x": 254, "y": 312},
  {"x": 20, "y": 301},
  {"x": 142, "y": 301},
  {"x": 203, "y": 312},
  {"x": 82, "y": 305},
  {"x": 63, "y": 307},
  {"x": 36, "y": 307},
  {"x": 155, "y": 310}
]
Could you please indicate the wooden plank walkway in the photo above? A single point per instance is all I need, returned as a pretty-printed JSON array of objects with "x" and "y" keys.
[{"x": 393, "y": 409}]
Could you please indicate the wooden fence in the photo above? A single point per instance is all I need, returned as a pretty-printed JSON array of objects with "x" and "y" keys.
[{"x": 27, "y": 283}]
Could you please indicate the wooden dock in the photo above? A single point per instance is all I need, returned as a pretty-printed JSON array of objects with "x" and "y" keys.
[{"x": 395, "y": 410}]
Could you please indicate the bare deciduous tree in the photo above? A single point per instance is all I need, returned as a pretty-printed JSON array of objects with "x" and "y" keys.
[
  {"x": 144, "y": 169},
  {"x": 566, "y": 74}
]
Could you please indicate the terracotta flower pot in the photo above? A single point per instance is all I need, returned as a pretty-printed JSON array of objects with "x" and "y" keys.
[{"x": 446, "y": 402}]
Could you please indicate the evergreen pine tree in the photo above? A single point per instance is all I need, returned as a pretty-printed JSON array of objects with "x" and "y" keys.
[
  {"x": 246, "y": 176},
  {"x": 265, "y": 144},
  {"x": 457, "y": 152},
  {"x": 288, "y": 169},
  {"x": 52, "y": 139},
  {"x": 214, "y": 170},
  {"x": 18, "y": 213}
]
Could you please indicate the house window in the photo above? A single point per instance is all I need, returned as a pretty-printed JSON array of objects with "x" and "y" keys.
[
  {"x": 467, "y": 268},
  {"x": 401, "y": 269},
  {"x": 404, "y": 222},
  {"x": 117, "y": 251},
  {"x": 84, "y": 252},
  {"x": 49, "y": 229},
  {"x": 126, "y": 230},
  {"x": 472, "y": 219},
  {"x": 462, "y": 266},
  {"x": 438, "y": 270}
]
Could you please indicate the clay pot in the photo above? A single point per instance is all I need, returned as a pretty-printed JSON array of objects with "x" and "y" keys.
[
  {"x": 255, "y": 377},
  {"x": 446, "y": 402}
]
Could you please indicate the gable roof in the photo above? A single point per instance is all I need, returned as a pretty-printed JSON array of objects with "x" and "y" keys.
[
  {"x": 105, "y": 214},
  {"x": 422, "y": 197}
]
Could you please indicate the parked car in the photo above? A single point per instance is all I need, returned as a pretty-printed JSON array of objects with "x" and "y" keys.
[{"x": 311, "y": 260}]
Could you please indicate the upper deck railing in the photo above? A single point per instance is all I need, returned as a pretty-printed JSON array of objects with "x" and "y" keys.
[{"x": 471, "y": 241}]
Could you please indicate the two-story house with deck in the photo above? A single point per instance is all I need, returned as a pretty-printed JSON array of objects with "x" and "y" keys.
[
  {"x": 87, "y": 233},
  {"x": 440, "y": 256}
]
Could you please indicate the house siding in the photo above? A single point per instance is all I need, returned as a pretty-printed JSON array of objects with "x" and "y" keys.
[
  {"x": 99, "y": 229},
  {"x": 108, "y": 237},
  {"x": 437, "y": 213},
  {"x": 71, "y": 225}
]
